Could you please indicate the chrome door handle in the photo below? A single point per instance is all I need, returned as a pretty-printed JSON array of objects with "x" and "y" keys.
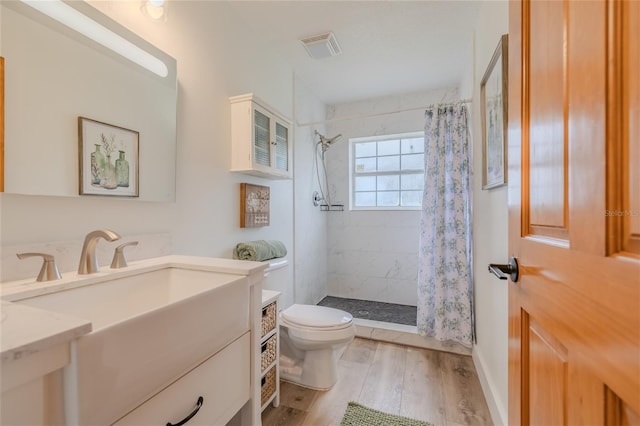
[{"x": 509, "y": 270}]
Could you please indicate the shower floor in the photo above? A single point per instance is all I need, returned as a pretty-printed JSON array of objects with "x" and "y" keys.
[{"x": 376, "y": 311}]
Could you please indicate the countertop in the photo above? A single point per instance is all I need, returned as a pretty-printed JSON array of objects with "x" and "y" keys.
[{"x": 25, "y": 330}]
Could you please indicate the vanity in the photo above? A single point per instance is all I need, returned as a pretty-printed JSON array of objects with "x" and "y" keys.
[{"x": 169, "y": 340}]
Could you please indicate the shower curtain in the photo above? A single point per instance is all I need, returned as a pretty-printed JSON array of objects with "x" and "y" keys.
[{"x": 445, "y": 285}]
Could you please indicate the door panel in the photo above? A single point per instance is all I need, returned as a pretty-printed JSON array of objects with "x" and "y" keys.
[
  {"x": 574, "y": 315},
  {"x": 630, "y": 95},
  {"x": 547, "y": 369},
  {"x": 546, "y": 104}
]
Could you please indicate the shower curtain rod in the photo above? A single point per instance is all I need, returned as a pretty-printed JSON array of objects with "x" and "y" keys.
[{"x": 377, "y": 114}]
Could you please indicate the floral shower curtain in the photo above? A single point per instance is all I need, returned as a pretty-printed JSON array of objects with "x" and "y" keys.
[{"x": 445, "y": 284}]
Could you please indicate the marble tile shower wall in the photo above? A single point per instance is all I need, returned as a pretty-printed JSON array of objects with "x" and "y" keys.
[
  {"x": 374, "y": 258},
  {"x": 373, "y": 255}
]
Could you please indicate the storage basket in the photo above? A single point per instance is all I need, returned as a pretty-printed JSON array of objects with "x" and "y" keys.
[
  {"x": 268, "y": 385},
  {"x": 268, "y": 352},
  {"x": 268, "y": 318}
]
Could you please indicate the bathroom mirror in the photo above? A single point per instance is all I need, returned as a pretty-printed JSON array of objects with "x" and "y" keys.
[{"x": 53, "y": 75}]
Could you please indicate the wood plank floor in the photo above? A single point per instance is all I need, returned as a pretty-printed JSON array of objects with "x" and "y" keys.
[{"x": 438, "y": 387}]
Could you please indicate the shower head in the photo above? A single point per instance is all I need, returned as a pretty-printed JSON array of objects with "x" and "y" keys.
[{"x": 325, "y": 142}]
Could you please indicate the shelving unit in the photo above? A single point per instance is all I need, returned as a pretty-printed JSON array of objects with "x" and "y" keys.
[{"x": 270, "y": 350}]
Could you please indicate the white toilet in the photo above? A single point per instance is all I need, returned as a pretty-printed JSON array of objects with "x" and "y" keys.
[{"x": 312, "y": 338}]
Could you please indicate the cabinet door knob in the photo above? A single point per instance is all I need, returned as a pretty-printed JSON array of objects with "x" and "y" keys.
[{"x": 190, "y": 416}]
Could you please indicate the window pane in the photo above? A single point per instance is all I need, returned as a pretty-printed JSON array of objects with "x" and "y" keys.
[
  {"x": 412, "y": 181},
  {"x": 365, "y": 183},
  {"x": 412, "y": 146},
  {"x": 388, "y": 199},
  {"x": 388, "y": 173},
  {"x": 386, "y": 164},
  {"x": 365, "y": 199},
  {"x": 412, "y": 198},
  {"x": 413, "y": 162},
  {"x": 365, "y": 165},
  {"x": 365, "y": 149},
  {"x": 388, "y": 183},
  {"x": 389, "y": 147}
]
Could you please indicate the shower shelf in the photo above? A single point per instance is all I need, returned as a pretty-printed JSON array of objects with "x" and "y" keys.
[{"x": 332, "y": 207}]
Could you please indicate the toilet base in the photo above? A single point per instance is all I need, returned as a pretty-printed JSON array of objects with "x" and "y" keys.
[{"x": 318, "y": 369}]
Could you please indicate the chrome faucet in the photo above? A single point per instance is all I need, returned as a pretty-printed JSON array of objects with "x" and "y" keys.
[{"x": 88, "y": 259}]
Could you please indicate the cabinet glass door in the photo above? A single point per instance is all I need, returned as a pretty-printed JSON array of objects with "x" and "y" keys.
[
  {"x": 261, "y": 132},
  {"x": 282, "y": 147}
]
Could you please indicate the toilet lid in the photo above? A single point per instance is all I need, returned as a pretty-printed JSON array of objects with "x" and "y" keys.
[{"x": 317, "y": 316}]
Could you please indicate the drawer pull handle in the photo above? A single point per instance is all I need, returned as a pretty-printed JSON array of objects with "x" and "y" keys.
[
  {"x": 190, "y": 416},
  {"x": 264, "y": 312},
  {"x": 264, "y": 347}
]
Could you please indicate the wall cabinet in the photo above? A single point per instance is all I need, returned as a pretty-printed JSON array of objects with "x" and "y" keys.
[
  {"x": 270, "y": 350},
  {"x": 260, "y": 139}
]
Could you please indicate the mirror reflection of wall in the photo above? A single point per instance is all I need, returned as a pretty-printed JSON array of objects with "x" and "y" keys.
[
  {"x": 53, "y": 75},
  {"x": 1, "y": 124}
]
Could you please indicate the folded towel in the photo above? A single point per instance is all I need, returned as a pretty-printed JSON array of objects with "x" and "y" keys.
[{"x": 259, "y": 250}]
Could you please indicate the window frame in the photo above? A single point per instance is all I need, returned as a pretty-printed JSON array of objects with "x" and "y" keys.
[{"x": 352, "y": 175}]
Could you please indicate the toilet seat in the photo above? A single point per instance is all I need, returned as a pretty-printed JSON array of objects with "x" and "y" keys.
[{"x": 317, "y": 318}]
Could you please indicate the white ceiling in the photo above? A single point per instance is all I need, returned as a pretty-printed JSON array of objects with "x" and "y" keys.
[{"x": 388, "y": 47}]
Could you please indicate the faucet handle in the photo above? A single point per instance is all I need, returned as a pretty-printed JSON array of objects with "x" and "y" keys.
[
  {"x": 118, "y": 255},
  {"x": 49, "y": 270}
]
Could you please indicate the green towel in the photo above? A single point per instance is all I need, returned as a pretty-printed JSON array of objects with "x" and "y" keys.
[{"x": 259, "y": 250}]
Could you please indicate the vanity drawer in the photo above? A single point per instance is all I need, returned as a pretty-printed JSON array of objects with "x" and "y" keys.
[{"x": 222, "y": 381}]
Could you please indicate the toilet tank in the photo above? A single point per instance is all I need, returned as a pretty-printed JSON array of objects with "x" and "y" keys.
[{"x": 277, "y": 277}]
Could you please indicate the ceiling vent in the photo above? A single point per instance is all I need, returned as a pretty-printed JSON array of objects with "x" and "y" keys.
[{"x": 322, "y": 45}]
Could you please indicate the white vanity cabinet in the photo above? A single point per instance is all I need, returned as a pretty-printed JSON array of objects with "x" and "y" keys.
[
  {"x": 270, "y": 350},
  {"x": 210, "y": 394},
  {"x": 34, "y": 349},
  {"x": 260, "y": 139}
]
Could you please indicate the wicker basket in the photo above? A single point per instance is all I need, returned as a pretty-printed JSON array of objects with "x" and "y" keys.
[
  {"x": 268, "y": 352},
  {"x": 268, "y": 318},
  {"x": 268, "y": 386}
]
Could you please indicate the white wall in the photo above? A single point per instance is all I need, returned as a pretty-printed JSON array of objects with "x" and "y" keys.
[
  {"x": 490, "y": 234},
  {"x": 373, "y": 255},
  {"x": 217, "y": 57},
  {"x": 310, "y": 222}
]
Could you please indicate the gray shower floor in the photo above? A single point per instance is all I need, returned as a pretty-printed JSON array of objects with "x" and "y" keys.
[{"x": 377, "y": 311}]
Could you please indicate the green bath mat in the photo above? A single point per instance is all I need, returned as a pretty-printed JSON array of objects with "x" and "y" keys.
[{"x": 359, "y": 415}]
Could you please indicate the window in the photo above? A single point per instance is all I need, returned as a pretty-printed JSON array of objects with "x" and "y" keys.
[{"x": 387, "y": 172}]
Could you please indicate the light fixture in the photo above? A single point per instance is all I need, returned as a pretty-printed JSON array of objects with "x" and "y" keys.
[
  {"x": 86, "y": 26},
  {"x": 154, "y": 9},
  {"x": 322, "y": 45}
]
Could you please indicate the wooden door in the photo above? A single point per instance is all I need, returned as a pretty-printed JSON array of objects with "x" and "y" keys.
[{"x": 574, "y": 212}]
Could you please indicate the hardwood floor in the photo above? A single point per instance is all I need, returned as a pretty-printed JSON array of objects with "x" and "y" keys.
[{"x": 438, "y": 387}]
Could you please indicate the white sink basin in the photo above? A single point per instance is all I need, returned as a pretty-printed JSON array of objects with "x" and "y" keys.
[{"x": 148, "y": 330}]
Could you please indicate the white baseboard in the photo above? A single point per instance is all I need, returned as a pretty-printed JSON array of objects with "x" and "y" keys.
[{"x": 496, "y": 407}]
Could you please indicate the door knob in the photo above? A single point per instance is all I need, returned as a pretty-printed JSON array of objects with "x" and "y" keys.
[{"x": 505, "y": 271}]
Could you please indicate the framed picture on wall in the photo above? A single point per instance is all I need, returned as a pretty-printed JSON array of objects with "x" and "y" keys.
[
  {"x": 109, "y": 162},
  {"x": 493, "y": 111},
  {"x": 254, "y": 205}
]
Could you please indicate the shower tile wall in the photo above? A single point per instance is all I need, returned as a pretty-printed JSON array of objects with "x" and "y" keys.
[{"x": 373, "y": 255}]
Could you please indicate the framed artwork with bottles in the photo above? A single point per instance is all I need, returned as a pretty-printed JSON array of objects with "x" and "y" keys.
[{"x": 109, "y": 162}]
